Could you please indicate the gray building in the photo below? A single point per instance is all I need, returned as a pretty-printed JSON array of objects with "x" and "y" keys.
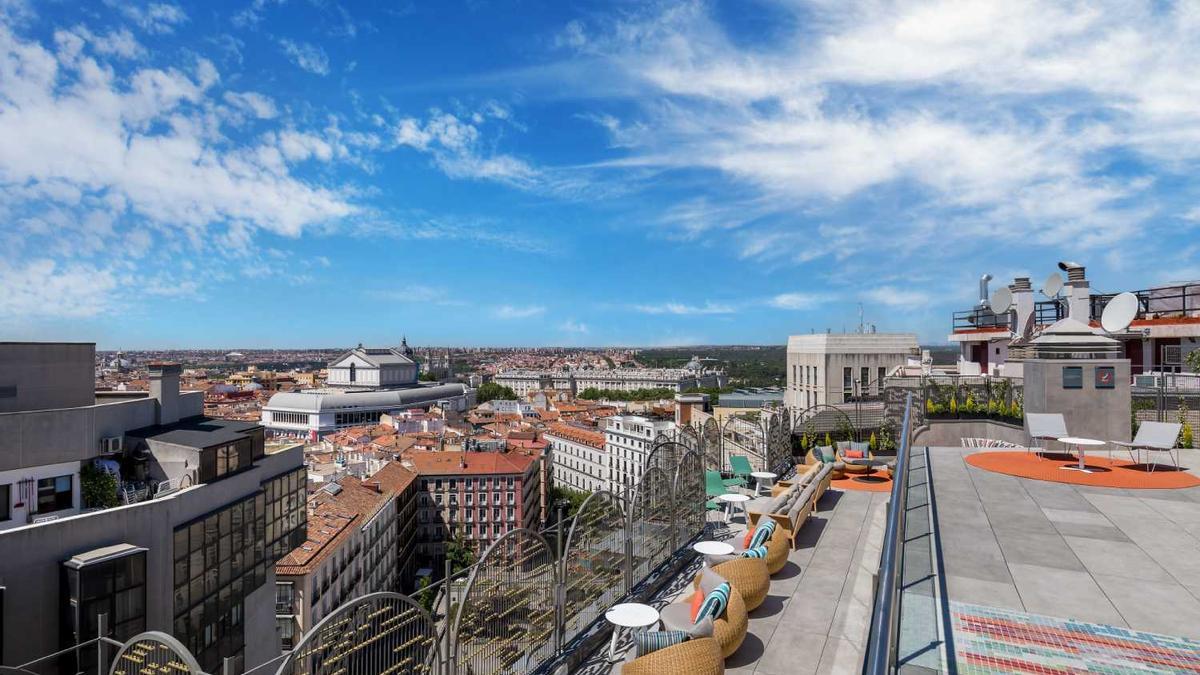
[
  {"x": 832, "y": 368},
  {"x": 203, "y": 511}
]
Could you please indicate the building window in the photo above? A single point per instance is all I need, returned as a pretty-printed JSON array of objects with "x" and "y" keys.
[
  {"x": 882, "y": 375},
  {"x": 5, "y": 502},
  {"x": 865, "y": 385},
  {"x": 847, "y": 377},
  {"x": 54, "y": 494},
  {"x": 353, "y": 374}
]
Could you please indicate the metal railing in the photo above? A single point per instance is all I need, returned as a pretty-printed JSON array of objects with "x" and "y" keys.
[{"x": 883, "y": 641}]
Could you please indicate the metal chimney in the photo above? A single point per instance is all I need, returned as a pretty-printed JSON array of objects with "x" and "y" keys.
[
  {"x": 1078, "y": 291},
  {"x": 983, "y": 290}
]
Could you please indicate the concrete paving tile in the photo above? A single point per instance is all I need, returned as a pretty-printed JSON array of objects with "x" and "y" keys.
[
  {"x": 1029, "y": 548},
  {"x": 840, "y": 657},
  {"x": 1184, "y": 513},
  {"x": 792, "y": 649},
  {"x": 1105, "y": 532},
  {"x": 1153, "y": 606},
  {"x": 1118, "y": 559},
  {"x": 984, "y": 592},
  {"x": 1063, "y": 593}
]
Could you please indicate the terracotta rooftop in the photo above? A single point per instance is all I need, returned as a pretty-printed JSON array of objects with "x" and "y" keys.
[
  {"x": 451, "y": 463},
  {"x": 593, "y": 439}
]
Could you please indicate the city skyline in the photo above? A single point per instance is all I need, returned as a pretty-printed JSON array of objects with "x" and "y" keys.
[{"x": 263, "y": 174}]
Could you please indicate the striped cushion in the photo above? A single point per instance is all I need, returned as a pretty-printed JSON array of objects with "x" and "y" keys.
[
  {"x": 714, "y": 605},
  {"x": 762, "y": 533},
  {"x": 756, "y": 552},
  {"x": 654, "y": 640}
]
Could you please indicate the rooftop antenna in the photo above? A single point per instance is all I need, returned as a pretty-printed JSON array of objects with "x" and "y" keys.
[
  {"x": 860, "y": 318},
  {"x": 1119, "y": 313}
]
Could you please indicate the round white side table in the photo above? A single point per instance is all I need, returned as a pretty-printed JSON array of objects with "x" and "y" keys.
[
  {"x": 731, "y": 499},
  {"x": 628, "y": 615},
  {"x": 763, "y": 479}
]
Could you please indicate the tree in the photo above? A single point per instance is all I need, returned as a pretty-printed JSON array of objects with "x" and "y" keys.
[
  {"x": 1193, "y": 360},
  {"x": 428, "y": 376},
  {"x": 425, "y": 596},
  {"x": 98, "y": 488},
  {"x": 489, "y": 391},
  {"x": 459, "y": 554},
  {"x": 575, "y": 498}
]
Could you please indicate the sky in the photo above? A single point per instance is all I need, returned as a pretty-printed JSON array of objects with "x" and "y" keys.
[{"x": 288, "y": 173}]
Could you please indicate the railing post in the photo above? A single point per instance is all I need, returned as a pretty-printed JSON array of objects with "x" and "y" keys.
[
  {"x": 628, "y": 540},
  {"x": 447, "y": 640},
  {"x": 101, "y": 630},
  {"x": 560, "y": 586}
]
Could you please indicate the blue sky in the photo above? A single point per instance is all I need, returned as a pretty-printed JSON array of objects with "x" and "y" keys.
[{"x": 307, "y": 172}]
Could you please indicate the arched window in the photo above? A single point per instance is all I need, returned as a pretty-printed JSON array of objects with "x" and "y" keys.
[{"x": 351, "y": 372}]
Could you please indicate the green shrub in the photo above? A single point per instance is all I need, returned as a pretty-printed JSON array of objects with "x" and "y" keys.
[
  {"x": 873, "y": 443},
  {"x": 97, "y": 489},
  {"x": 1185, "y": 436},
  {"x": 954, "y": 406}
]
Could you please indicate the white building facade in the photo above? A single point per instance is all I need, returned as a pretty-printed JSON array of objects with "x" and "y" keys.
[
  {"x": 832, "y": 368},
  {"x": 579, "y": 459},
  {"x": 627, "y": 441},
  {"x": 676, "y": 380}
]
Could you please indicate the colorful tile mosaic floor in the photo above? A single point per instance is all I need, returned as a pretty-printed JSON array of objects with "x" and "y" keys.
[{"x": 989, "y": 641}]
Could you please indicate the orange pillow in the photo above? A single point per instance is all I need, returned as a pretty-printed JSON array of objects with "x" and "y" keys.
[
  {"x": 746, "y": 541},
  {"x": 852, "y": 454},
  {"x": 697, "y": 600}
]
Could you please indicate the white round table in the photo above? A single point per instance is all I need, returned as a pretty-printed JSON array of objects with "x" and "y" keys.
[
  {"x": 733, "y": 498},
  {"x": 628, "y": 615},
  {"x": 761, "y": 477},
  {"x": 1080, "y": 444},
  {"x": 712, "y": 548}
]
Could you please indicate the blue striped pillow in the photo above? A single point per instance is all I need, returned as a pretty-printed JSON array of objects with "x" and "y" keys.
[
  {"x": 762, "y": 533},
  {"x": 715, "y": 602},
  {"x": 654, "y": 640},
  {"x": 756, "y": 552}
]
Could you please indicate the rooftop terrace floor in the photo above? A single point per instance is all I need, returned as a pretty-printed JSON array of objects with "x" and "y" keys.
[
  {"x": 1124, "y": 558},
  {"x": 816, "y": 617}
]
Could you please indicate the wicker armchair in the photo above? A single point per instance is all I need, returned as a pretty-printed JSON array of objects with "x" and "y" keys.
[
  {"x": 777, "y": 551},
  {"x": 729, "y": 629},
  {"x": 749, "y": 578},
  {"x": 701, "y": 656}
]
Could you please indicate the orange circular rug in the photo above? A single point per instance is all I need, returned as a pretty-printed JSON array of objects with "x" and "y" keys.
[
  {"x": 848, "y": 483},
  {"x": 1113, "y": 473}
]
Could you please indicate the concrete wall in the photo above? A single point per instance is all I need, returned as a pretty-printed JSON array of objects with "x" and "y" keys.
[
  {"x": 40, "y": 375},
  {"x": 1089, "y": 412},
  {"x": 949, "y": 433},
  {"x": 33, "y": 555},
  {"x": 68, "y": 434}
]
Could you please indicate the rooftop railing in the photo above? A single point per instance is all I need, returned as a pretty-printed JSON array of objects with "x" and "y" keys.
[
  {"x": 1153, "y": 303},
  {"x": 883, "y": 641}
]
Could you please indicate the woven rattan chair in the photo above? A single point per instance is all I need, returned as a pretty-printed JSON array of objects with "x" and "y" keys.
[
  {"x": 749, "y": 578},
  {"x": 701, "y": 656},
  {"x": 729, "y": 629}
]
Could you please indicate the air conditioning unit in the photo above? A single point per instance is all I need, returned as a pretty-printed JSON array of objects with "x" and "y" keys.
[{"x": 112, "y": 445}]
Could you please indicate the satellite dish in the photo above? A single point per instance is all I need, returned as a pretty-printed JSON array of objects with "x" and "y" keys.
[
  {"x": 1001, "y": 300},
  {"x": 1053, "y": 285},
  {"x": 1119, "y": 313},
  {"x": 1027, "y": 334}
]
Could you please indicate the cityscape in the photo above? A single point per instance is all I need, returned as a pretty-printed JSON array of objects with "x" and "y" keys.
[{"x": 598, "y": 338}]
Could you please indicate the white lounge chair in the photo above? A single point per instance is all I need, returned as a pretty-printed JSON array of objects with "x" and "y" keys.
[
  {"x": 1152, "y": 437},
  {"x": 986, "y": 443},
  {"x": 1044, "y": 427}
]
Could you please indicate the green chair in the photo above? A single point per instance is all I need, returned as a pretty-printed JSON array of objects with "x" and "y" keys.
[
  {"x": 713, "y": 486},
  {"x": 741, "y": 467}
]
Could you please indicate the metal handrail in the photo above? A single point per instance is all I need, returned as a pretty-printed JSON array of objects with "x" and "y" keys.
[{"x": 883, "y": 639}]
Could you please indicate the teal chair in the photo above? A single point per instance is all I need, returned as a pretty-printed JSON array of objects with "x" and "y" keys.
[
  {"x": 741, "y": 467},
  {"x": 713, "y": 485}
]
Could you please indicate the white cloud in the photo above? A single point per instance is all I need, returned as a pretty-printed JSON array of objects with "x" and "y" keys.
[
  {"x": 307, "y": 56},
  {"x": 904, "y": 298},
  {"x": 42, "y": 288},
  {"x": 455, "y": 147},
  {"x": 683, "y": 309},
  {"x": 152, "y": 17},
  {"x": 417, "y": 294},
  {"x": 518, "y": 312},
  {"x": 796, "y": 301},
  {"x": 254, "y": 103},
  {"x": 573, "y": 326}
]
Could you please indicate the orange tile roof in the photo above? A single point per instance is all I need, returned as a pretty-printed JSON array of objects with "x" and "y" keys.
[
  {"x": 593, "y": 439},
  {"x": 451, "y": 463}
]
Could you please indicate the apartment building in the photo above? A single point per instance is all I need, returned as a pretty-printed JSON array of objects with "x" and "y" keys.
[
  {"x": 524, "y": 381},
  {"x": 204, "y": 509},
  {"x": 628, "y": 439},
  {"x": 578, "y": 457},
  {"x": 361, "y": 539},
  {"x": 833, "y": 368},
  {"x": 478, "y": 496}
]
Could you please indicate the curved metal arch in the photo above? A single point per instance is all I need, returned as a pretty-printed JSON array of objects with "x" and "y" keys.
[
  {"x": 752, "y": 424},
  {"x": 587, "y": 595},
  {"x": 637, "y": 508},
  {"x": 693, "y": 501},
  {"x": 535, "y": 538},
  {"x": 825, "y": 406},
  {"x": 150, "y": 646},
  {"x": 657, "y": 452},
  {"x": 583, "y": 508},
  {"x": 689, "y": 437},
  {"x": 712, "y": 443},
  {"x": 353, "y": 610}
]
